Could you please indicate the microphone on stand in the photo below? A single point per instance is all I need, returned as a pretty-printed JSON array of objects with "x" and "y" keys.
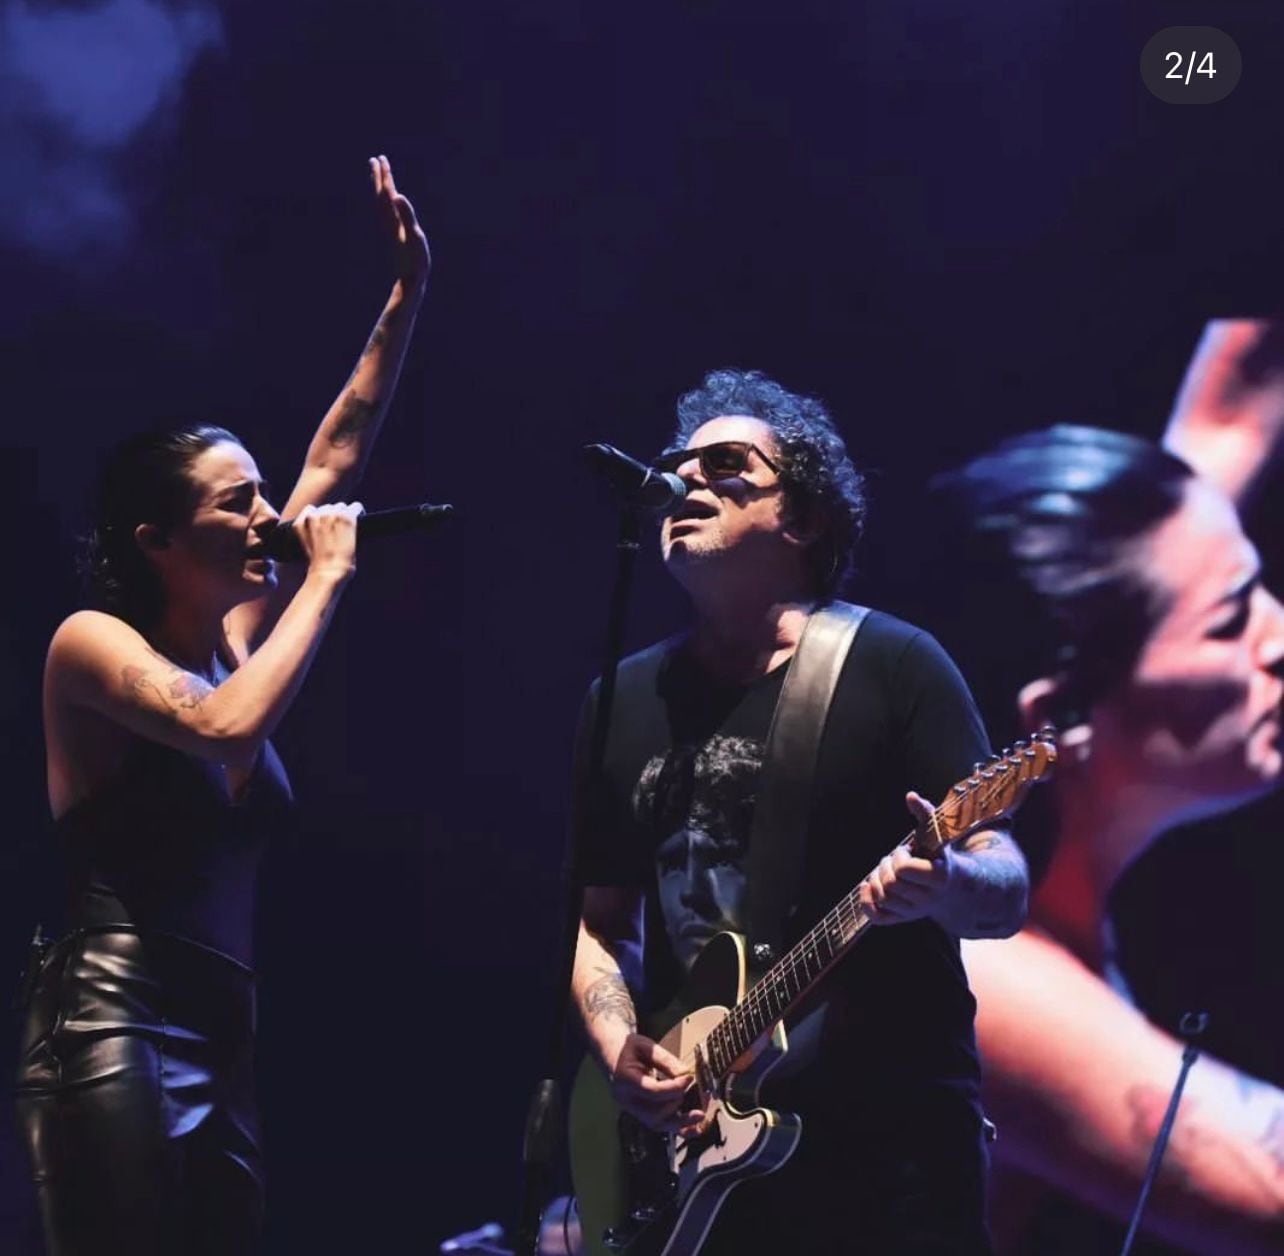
[
  {"x": 282, "y": 543},
  {"x": 637, "y": 483}
]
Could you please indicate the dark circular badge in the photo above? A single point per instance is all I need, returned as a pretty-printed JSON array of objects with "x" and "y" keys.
[{"x": 1191, "y": 65}]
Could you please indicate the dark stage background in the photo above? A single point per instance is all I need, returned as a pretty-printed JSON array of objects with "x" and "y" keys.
[{"x": 951, "y": 220}]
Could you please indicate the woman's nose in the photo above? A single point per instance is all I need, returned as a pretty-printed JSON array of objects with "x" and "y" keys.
[{"x": 1271, "y": 649}]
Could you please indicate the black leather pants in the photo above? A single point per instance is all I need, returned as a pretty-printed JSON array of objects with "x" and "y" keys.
[{"x": 135, "y": 1097}]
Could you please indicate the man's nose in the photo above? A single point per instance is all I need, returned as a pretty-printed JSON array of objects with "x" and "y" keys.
[{"x": 690, "y": 472}]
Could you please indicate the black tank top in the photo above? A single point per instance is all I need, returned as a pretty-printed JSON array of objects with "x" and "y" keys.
[{"x": 162, "y": 846}]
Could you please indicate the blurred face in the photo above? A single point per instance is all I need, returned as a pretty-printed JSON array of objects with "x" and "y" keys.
[
  {"x": 739, "y": 518},
  {"x": 1200, "y": 713},
  {"x": 217, "y": 546}
]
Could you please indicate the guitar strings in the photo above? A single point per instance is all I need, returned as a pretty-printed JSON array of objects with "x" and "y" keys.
[{"x": 850, "y": 914}]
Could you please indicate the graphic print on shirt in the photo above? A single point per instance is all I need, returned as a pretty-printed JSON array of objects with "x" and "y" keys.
[{"x": 696, "y": 802}]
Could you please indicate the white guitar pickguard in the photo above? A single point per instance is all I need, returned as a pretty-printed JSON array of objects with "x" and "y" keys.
[{"x": 731, "y": 1144}]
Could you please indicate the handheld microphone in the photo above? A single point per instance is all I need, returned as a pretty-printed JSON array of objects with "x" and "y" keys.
[
  {"x": 282, "y": 543},
  {"x": 637, "y": 483}
]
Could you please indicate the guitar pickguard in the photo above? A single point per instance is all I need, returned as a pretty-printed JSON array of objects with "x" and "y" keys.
[{"x": 651, "y": 1195}]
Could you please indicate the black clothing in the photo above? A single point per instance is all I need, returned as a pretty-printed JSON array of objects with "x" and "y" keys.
[
  {"x": 163, "y": 846},
  {"x": 884, "y": 1071},
  {"x": 135, "y": 1096},
  {"x": 135, "y": 1084}
]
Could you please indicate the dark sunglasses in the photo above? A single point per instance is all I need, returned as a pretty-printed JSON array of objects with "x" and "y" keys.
[{"x": 719, "y": 461}]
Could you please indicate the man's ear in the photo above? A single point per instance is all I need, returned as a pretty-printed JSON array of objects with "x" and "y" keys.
[
  {"x": 803, "y": 526},
  {"x": 1043, "y": 703},
  {"x": 150, "y": 538}
]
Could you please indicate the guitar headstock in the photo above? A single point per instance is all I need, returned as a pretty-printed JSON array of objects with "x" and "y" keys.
[{"x": 992, "y": 792}]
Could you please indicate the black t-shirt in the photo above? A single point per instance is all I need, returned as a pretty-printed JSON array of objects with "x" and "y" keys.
[{"x": 675, "y": 815}]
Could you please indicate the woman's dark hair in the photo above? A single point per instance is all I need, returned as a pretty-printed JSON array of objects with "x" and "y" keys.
[
  {"x": 1038, "y": 566},
  {"x": 142, "y": 480},
  {"x": 1040, "y": 538},
  {"x": 821, "y": 485}
]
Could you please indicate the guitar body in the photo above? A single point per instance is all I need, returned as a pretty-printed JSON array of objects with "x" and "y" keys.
[{"x": 649, "y": 1194}]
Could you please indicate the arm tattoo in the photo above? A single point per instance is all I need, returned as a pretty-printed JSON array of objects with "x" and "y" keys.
[
  {"x": 179, "y": 691},
  {"x": 609, "y": 996},
  {"x": 987, "y": 839},
  {"x": 377, "y": 337},
  {"x": 1257, "y": 1095},
  {"x": 355, "y": 415},
  {"x": 1193, "y": 1137}
]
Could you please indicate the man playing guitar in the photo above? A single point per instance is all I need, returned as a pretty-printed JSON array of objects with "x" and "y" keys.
[{"x": 882, "y": 1064}]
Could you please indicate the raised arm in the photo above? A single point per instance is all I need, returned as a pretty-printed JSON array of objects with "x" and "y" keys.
[
  {"x": 99, "y": 663},
  {"x": 341, "y": 446},
  {"x": 1228, "y": 419},
  {"x": 1078, "y": 1082}
]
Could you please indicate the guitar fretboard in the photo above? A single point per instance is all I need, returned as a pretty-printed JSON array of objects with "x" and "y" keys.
[
  {"x": 786, "y": 982},
  {"x": 982, "y": 798}
]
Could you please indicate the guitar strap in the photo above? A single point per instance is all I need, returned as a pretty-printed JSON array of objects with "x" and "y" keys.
[{"x": 782, "y": 809}]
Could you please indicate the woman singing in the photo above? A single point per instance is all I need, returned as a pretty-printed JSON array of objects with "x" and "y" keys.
[{"x": 134, "y": 1088}]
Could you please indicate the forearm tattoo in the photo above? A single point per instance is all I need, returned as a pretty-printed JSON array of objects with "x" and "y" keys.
[
  {"x": 171, "y": 693},
  {"x": 608, "y": 996},
  {"x": 997, "y": 881},
  {"x": 355, "y": 415},
  {"x": 1193, "y": 1137},
  {"x": 377, "y": 337}
]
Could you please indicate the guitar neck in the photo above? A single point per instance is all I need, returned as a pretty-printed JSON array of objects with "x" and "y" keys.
[
  {"x": 783, "y": 986},
  {"x": 989, "y": 794}
]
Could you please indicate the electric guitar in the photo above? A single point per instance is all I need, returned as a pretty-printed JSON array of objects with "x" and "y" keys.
[{"x": 650, "y": 1194}]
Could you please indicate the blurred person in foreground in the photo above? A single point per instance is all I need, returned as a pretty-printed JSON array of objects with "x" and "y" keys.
[{"x": 1115, "y": 595}]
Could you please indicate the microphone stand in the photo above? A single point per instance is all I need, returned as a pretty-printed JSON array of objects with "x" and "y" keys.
[
  {"x": 1192, "y": 1025},
  {"x": 544, "y": 1117}
]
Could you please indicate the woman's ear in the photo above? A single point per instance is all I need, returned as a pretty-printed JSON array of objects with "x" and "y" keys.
[
  {"x": 150, "y": 538},
  {"x": 1043, "y": 704}
]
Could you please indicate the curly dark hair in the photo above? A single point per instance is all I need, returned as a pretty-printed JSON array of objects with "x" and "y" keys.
[
  {"x": 710, "y": 787},
  {"x": 821, "y": 486},
  {"x": 142, "y": 480}
]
